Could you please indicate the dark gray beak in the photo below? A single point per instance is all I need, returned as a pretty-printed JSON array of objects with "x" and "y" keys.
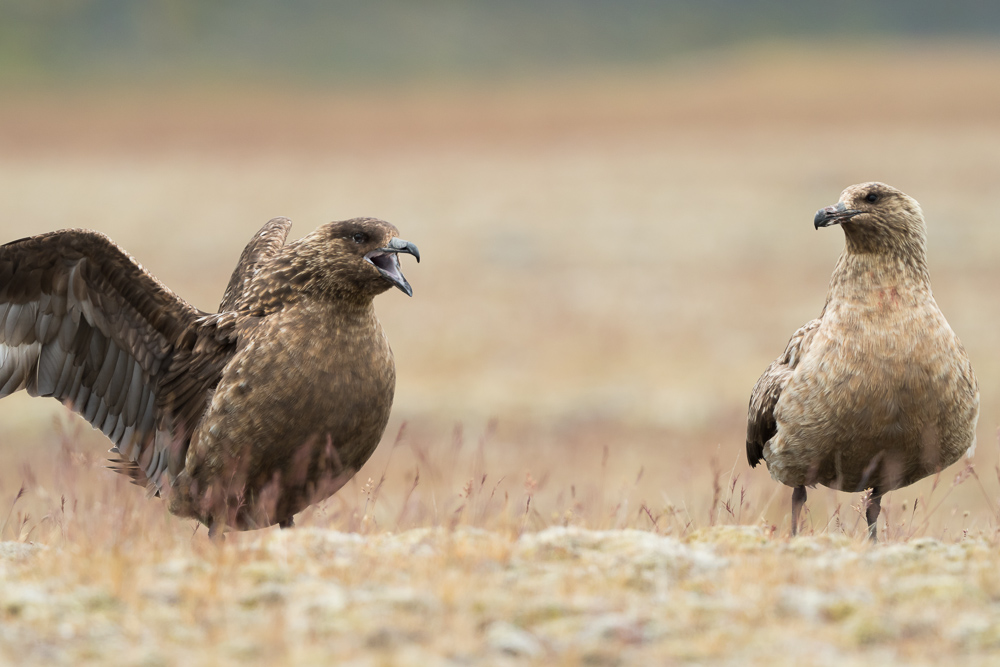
[
  {"x": 834, "y": 215},
  {"x": 386, "y": 260}
]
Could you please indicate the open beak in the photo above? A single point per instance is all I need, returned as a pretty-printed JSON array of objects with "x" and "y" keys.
[
  {"x": 386, "y": 260},
  {"x": 834, "y": 215}
]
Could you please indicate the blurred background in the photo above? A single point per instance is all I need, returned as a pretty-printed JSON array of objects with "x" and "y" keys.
[{"x": 613, "y": 200}]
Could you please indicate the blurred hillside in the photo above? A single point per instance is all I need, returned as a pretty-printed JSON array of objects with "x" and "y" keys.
[{"x": 313, "y": 41}]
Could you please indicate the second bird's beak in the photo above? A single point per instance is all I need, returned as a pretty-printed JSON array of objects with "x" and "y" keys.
[
  {"x": 386, "y": 260},
  {"x": 834, "y": 215}
]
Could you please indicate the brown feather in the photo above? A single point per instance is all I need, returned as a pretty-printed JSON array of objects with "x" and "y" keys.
[
  {"x": 95, "y": 339},
  {"x": 257, "y": 252},
  {"x": 761, "y": 426}
]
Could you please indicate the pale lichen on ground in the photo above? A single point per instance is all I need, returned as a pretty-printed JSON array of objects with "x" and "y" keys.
[{"x": 432, "y": 596}]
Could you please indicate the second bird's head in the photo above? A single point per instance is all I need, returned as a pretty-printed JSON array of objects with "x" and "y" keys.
[
  {"x": 355, "y": 258},
  {"x": 875, "y": 216}
]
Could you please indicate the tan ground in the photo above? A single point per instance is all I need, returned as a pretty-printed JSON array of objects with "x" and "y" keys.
[
  {"x": 608, "y": 266},
  {"x": 433, "y": 596}
]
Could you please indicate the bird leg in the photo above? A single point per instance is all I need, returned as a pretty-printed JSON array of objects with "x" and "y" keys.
[
  {"x": 798, "y": 500},
  {"x": 217, "y": 531},
  {"x": 872, "y": 512},
  {"x": 287, "y": 523}
]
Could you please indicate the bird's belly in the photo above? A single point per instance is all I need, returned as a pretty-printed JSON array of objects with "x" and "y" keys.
[
  {"x": 273, "y": 447},
  {"x": 880, "y": 426},
  {"x": 853, "y": 460}
]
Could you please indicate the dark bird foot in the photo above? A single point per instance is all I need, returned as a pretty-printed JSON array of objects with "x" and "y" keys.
[
  {"x": 798, "y": 500},
  {"x": 287, "y": 523}
]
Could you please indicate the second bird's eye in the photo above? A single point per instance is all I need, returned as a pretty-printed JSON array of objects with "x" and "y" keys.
[
  {"x": 872, "y": 197},
  {"x": 360, "y": 237}
]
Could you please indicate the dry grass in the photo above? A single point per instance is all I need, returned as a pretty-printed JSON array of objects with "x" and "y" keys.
[{"x": 608, "y": 267}]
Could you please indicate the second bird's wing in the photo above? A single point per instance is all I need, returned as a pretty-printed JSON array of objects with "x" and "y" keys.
[{"x": 761, "y": 425}]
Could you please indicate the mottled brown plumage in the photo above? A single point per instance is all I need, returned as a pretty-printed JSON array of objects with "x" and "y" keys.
[
  {"x": 240, "y": 418},
  {"x": 877, "y": 392}
]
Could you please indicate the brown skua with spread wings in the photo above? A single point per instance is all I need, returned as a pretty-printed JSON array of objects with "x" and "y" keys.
[{"x": 241, "y": 418}]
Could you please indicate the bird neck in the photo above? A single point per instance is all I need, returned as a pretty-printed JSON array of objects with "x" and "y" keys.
[
  {"x": 907, "y": 241},
  {"x": 864, "y": 272},
  {"x": 351, "y": 307}
]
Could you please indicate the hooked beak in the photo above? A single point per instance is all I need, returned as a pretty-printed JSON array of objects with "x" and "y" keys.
[
  {"x": 834, "y": 215},
  {"x": 386, "y": 260}
]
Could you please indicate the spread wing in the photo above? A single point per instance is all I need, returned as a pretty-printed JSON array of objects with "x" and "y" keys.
[
  {"x": 83, "y": 322},
  {"x": 261, "y": 247},
  {"x": 761, "y": 425}
]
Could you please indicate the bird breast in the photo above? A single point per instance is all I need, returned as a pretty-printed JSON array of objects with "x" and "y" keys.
[
  {"x": 879, "y": 376},
  {"x": 309, "y": 375}
]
